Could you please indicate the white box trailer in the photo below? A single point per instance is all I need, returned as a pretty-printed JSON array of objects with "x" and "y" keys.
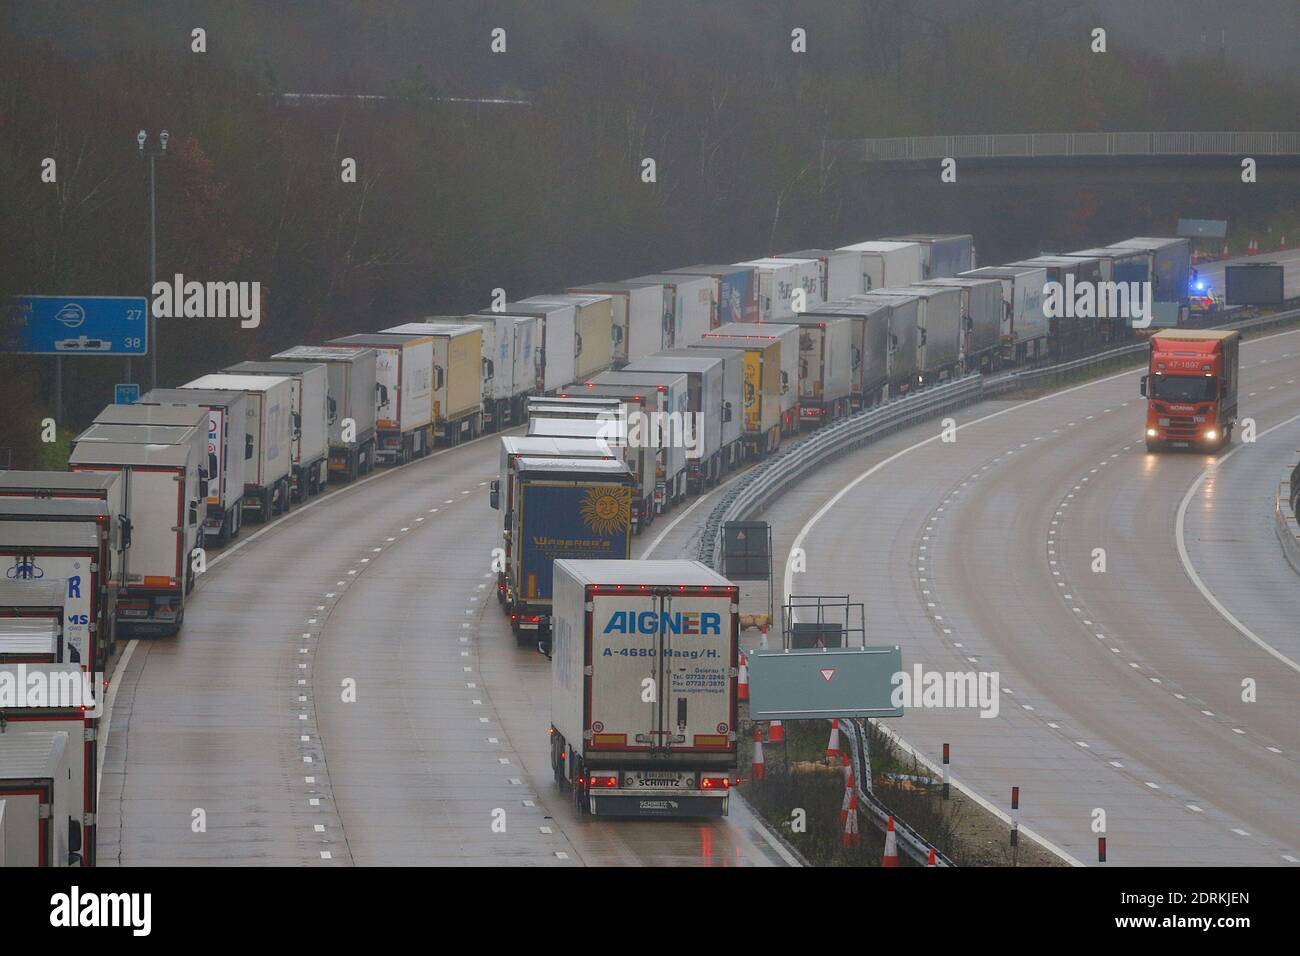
[
  {"x": 841, "y": 271},
  {"x": 778, "y": 279},
  {"x": 1024, "y": 326},
  {"x": 460, "y": 377},
  {"x": 508, "y": 364},
  {"x": 630, "y": 401},
  {"x": 692, "y": 311},
  {"x": 556, "y": 341},
  {"x": 636, "y": 316},
  {"x": 615, "y": 623},
  {"x": 868, "y": 349},
  {"x": 351, "y": 403},
  {"x": 565, "y": 405},
  {"x": 309, "y": 393},
  {"x": 40, "y": 810},
  {"x": 735, "y": 291},
  {"x": 75, "y": 486},
  {"x": 825, "y": 361},
  {"x": 981, "y": 316},
  {"x": 403, "y": 392},
  {"x": 671, "y": 469},
  {"x": 593, "y": 330},
  {"x": 269, "y": 422},
  {"x": 716, "y": 381},
  {"x": 1073, "y": 334},
  {"x": 745, "y": 334},
  {"x": 650, "y": 327},
  {"x": 888, "y": 264},
  {"x": 942, "y": 256},
  {"x": 228, "y": 447},
  {"x": 162, "y": 493},
  {"x": 71, "y": 706}
]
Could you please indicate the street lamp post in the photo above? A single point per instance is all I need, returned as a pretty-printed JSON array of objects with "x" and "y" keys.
[{"x": 141, "y": 139}]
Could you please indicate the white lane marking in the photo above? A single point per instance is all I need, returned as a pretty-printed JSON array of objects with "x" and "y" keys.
[{"x": 1185, "y": 558}]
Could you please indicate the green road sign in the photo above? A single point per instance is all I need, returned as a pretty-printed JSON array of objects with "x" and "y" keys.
[{"x": 831, "y": 682}]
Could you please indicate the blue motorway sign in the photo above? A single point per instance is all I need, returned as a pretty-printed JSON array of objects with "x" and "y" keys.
[
  {"x": 76, "y": 325},
  {"x": 126, "y": 394}
]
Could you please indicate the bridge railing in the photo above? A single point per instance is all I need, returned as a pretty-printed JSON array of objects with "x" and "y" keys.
[{"x": 1017, "y": 145}]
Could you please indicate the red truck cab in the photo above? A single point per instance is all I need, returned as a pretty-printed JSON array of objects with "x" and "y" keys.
[{"x": 1191, "y": 388}]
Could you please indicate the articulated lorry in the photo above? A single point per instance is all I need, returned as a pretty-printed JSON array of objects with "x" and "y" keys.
[
  {"x": 42, "y": 806},
  {"x": 869, "y": 346},
  {"x": 403, "y": 392},
  {"x": 673, "y": 443},
  {"x": 461, "y": 380},
  {"x": 268, "y": 421},
  {"x": 771, "y": 376},
  {"x": 841, "y": 271},
  {"x": 555, "y": 342},
  {"x": 636, "y": 316},
  {"x": 623, "y": 626},
  {"x": 162, "y": 470},
  {"x": 562, "y": 508},
  {"x": 981, "y": 321},
  {"x": 1024, "y": 326},
  {"x": 942, "y": 256},
  {"x": 779, "y": 280},
  {"x": 938, "y": 328},
  {"x": 353, "y": 398},
  {"x": 825, "y": 360},
  {"x": 735, "y": 293},
  {"x": 1191, "y": 388},
  {"x": 309, "y": 438},
  {"x": 69, "y": 707},
  {"x": 229, "y": 447},
  {"x": 888, "y": 264}
]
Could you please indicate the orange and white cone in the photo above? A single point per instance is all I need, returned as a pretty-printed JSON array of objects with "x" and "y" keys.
[
  {"x": 1282, "y": 244},
  {"x": 850, "y": 802},
  {"x": 932, "y": 861},
  {"x": 833, "y": 745},
  {"x": 1253, "y": 248},
  {"x": 775, "y": 732},
  {"x": 851, "y": 829},
  {"x": 742, "y": 680},
  {"x": 891, "y": 846},
  {"x": 759, "y": 770}
]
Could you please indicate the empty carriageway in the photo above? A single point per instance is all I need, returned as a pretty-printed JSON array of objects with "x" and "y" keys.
[{"x": 1121, "y": 691}]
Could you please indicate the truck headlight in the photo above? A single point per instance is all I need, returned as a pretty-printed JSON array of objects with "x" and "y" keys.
[
  {"x": 1151, "y": 433},
  {"x": 1210, "y": 435}
]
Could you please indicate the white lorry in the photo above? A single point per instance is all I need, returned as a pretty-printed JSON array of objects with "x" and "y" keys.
[
  {"x": 403, "y": 392},
  {"x": 229, "y": 447},
  {"x": 460, "y": 377},
  {"x": 163, "y": 488},
  {"x": 841, "y": 271},
  {"x": 555, "y": 348},
  {"x": 68, "y": 705},
  {"x": 888, "y": 264},
  {"x": 692, "y": 309},
  {"x": 309, "y": 394},
  {"x": 778, "y": 282},
  {"x": 981, "y": 321},
  {"x": 268, "y": 472},
  {"x": 351, "y": 404},
  {"x": 619, "y": 627}
]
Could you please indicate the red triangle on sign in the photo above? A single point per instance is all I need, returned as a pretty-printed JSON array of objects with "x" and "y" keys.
[
  {"x": 740, "y": 536},
  {"x": 827, "y": 674}
]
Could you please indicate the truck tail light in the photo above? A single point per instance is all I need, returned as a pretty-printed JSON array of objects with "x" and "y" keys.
[
  {"x": 715, "y": 783},
  {"x": 603, "y": 780}
]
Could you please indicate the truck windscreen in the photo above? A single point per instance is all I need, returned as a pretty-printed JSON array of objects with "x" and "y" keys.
[{"x": 1184, "y": 388}]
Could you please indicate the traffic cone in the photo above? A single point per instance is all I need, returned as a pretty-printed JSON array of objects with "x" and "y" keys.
[
  {"x": 891, "y": 846},
  {"x": 1253, "y": 248},
  {"x": 851, "y": 829},
  {"x": 833, "y": 745},
  {"x": 1225, "y": 250},
  {"x": 850, "y": 802},
  {"x": 932, "y": 860},
  {"x": 759, "y": 771},
  {"x": 775, "y": 732},
  {"x": 762, "y": 629},
  {"x": 742, "y": 680},
  {"x": 1282, "y": 245}
]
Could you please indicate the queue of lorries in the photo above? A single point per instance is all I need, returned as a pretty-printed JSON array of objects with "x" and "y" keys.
[{"x": 637, "y": 395}]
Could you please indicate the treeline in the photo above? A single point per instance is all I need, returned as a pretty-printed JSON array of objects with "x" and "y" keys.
[{"x": 454, "y": 199}]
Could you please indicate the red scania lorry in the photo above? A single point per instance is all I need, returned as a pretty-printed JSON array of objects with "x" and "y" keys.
[{"x": 1191, "y": 388}]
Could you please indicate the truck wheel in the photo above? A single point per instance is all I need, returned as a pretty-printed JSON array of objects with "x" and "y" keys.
[{"x": 1153, "y": 446}]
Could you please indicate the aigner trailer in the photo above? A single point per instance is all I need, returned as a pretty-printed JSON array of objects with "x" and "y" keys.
[
  {"x": 617, "y": 623},
  {"x": 350, "y": 406},
  {"x": 269, "y": 421}
]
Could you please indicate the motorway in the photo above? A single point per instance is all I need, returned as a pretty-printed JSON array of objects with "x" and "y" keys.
[
  {"x": 442, "y": 755},
  {"x": 1122, "y": 690}
]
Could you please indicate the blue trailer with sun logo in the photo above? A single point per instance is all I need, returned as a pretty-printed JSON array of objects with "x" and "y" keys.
[{"x": 566, "y": 508}]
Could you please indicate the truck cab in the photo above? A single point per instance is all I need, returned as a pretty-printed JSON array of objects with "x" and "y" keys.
[{"x": 1191, "y": 388}]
